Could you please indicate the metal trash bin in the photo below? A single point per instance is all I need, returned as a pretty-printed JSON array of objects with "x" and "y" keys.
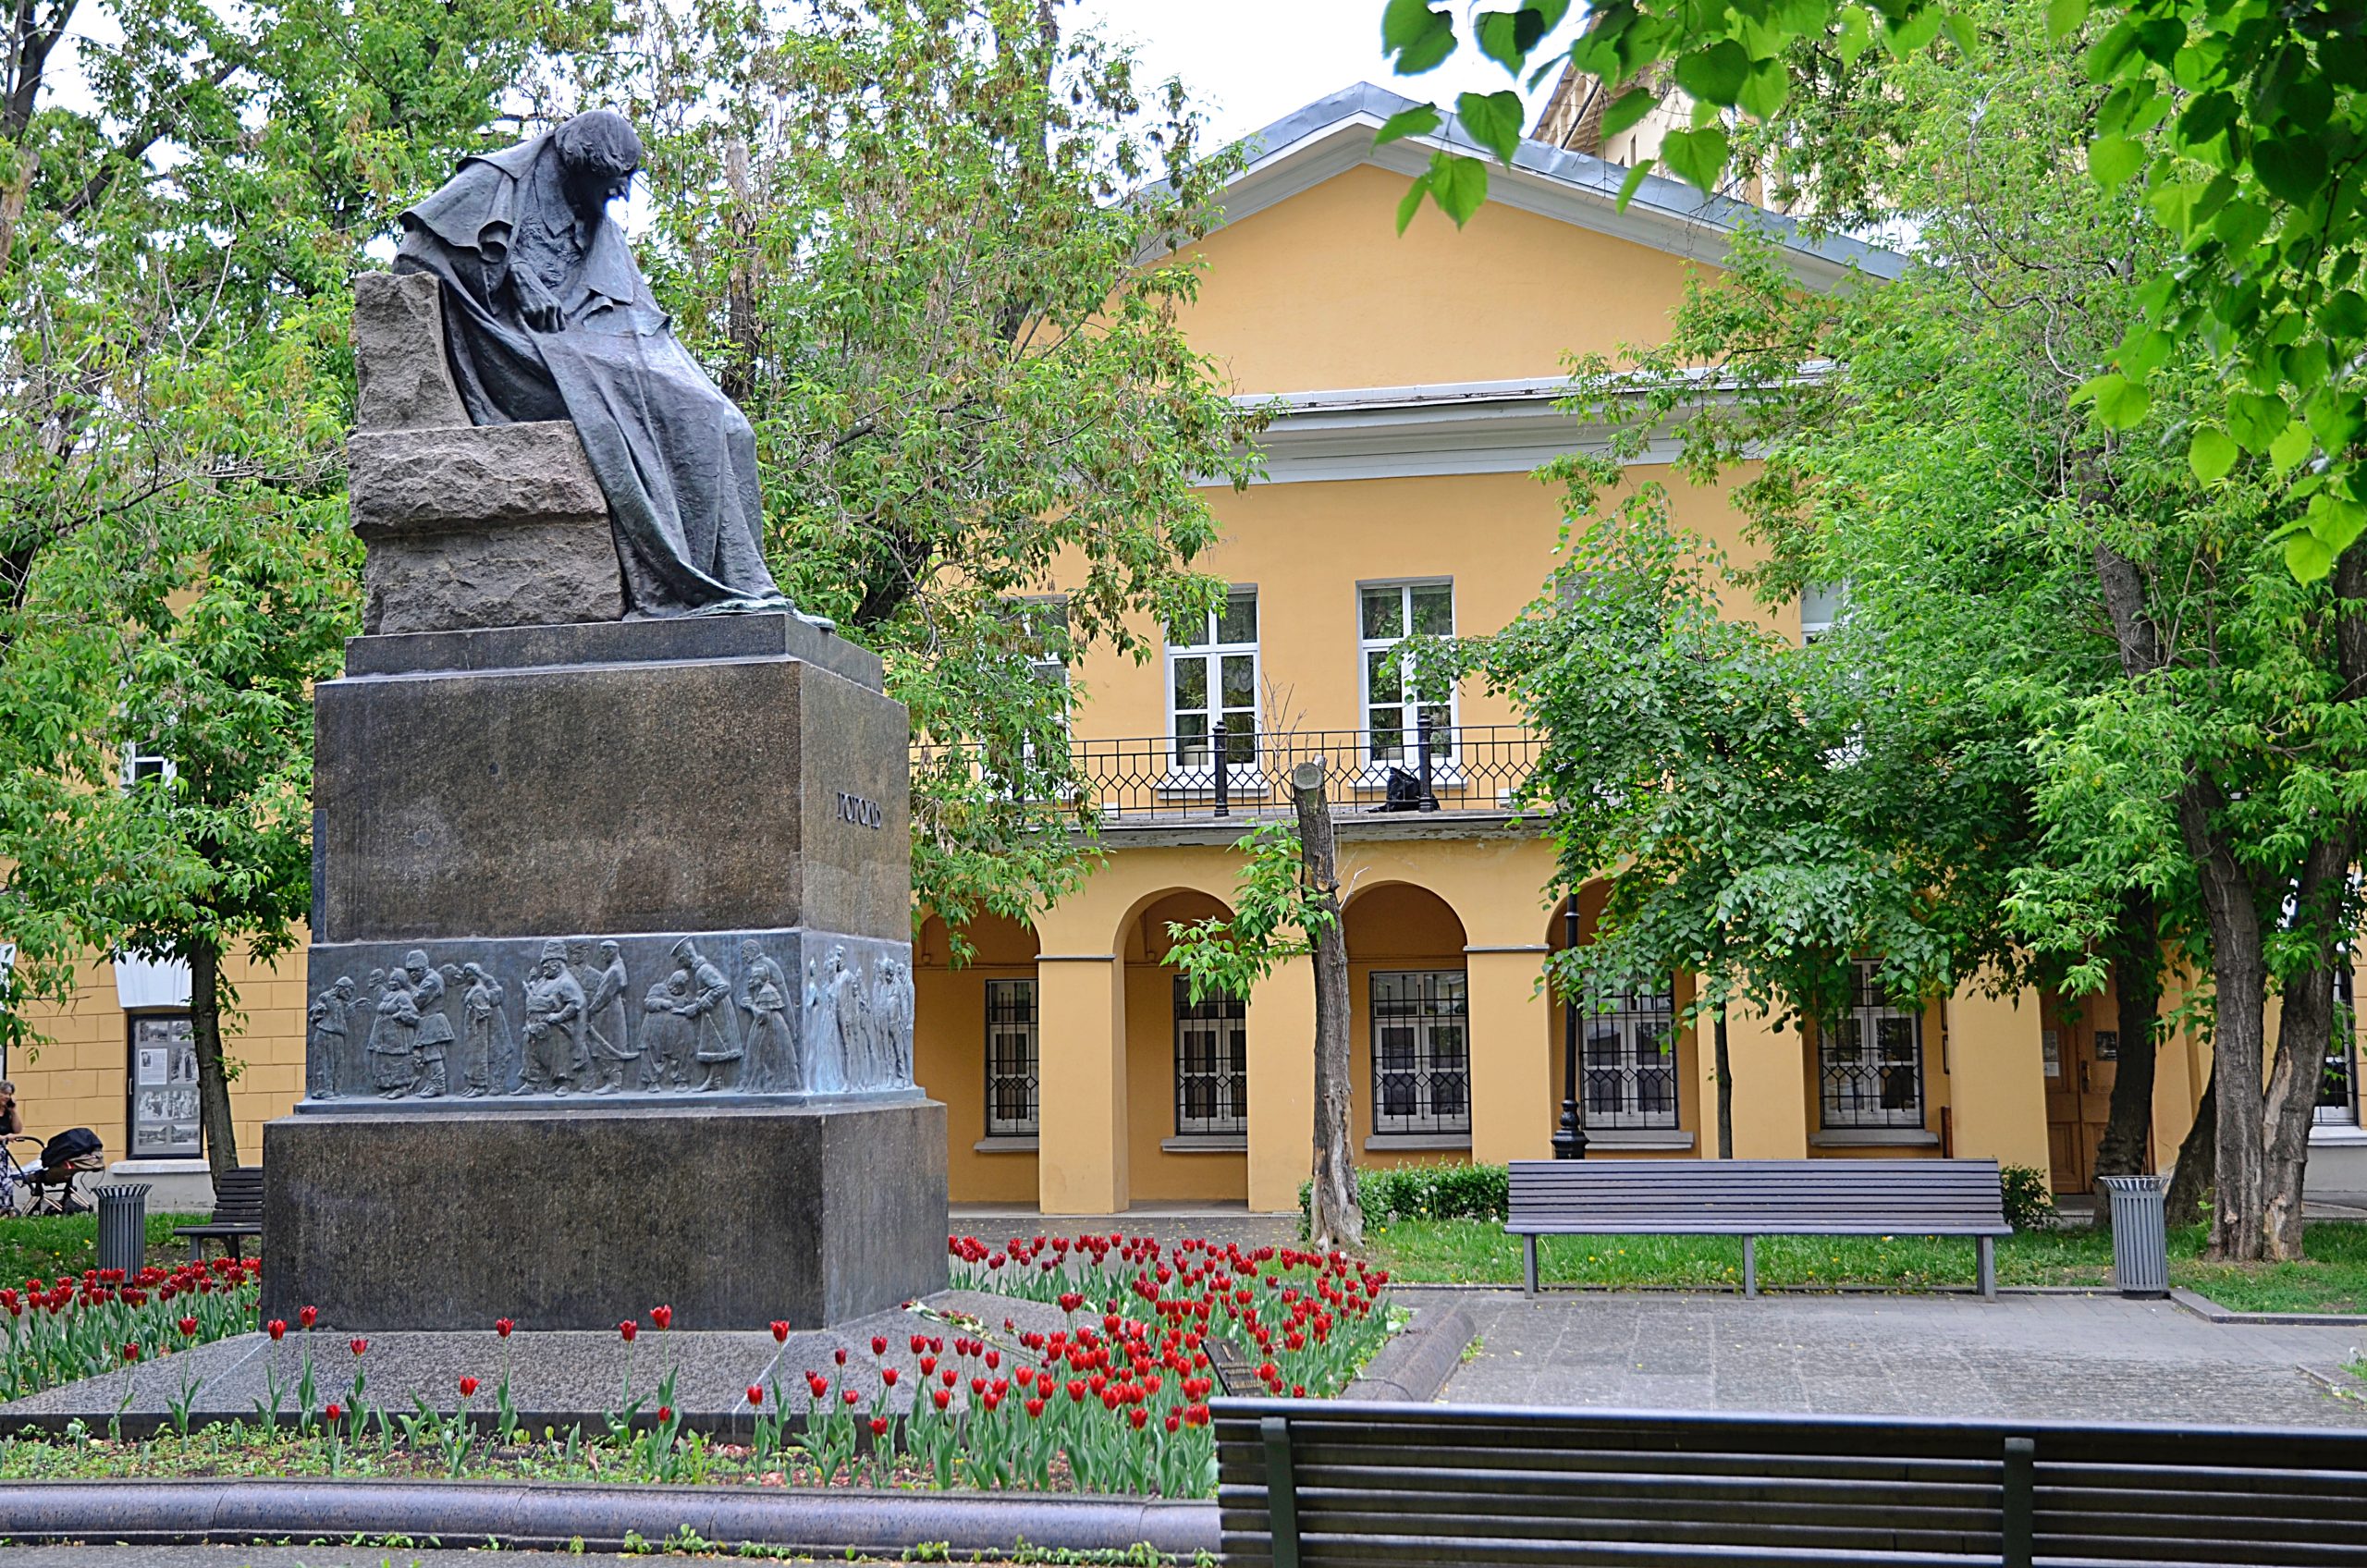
[
  {"x": 2140, "y": 1245},
  {"x": 123, "y": 1226}
]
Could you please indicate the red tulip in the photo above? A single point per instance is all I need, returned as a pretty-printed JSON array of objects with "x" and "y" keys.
[
  {"x": 467, "y": 1388},
  {"x": 189, "y": 1326},
  {"x": 755, "y": 1394},
  {"x": 276, "y": 1328},
  {"x": 664, "y": 1413},
  {"x": 816, "y": 1385},
  {"x": 928, "y": 1365},
  {"x": 887, "y": 1376},
  {"x": 131, "y": 1352},
  {"x": 940, "y": 1398},
  {"x": 502, "y": 1326},
  {"x": 1138, "y": 1416},
  {"x": 1034, "y": 1408},
  {"x": 839, "y": 1355},
  {"x": 307, "y": 1315},
  {"x": 333, "y": 1410},
  {"x": 919, "y": 1342},
  {"x": 852, "y": 1397},
  {"x": 879, "y": 1425},
  {"x": 357, "y": 1346},
  {"x": 662, "y": 1315},
  {"x": 627, "y": 1329},
  {"x": 780, "y": 1332}
]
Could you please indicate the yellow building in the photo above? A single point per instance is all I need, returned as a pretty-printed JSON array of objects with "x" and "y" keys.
[{"x": 1398, "y": 499}]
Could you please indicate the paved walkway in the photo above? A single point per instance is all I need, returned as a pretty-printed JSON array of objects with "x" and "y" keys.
[{"x": 2066, "y": 1357}]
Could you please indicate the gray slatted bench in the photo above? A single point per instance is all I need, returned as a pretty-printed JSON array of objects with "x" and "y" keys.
[
  {"x": 238, "y": 1214},
  {"x": 1329, "y": 1484},
  {"x": 1758, "y": 1197}
]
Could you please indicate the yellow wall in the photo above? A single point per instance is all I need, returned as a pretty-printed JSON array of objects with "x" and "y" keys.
[{"x": 1320, "y": 291}]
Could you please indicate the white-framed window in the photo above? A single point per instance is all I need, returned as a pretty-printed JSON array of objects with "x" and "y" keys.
[
  {"x": 2338, "y": 1086},
  {"x": 141, "y": 766},
  {"x": 1012, "y": 1076},
  {"x": 1212, "y": 1064},
  {"x": 1043, "y": 626},
  {"x": 1212, "y": 679},
  {"x": 1627, "y": 1061},
  {"x": 1869, "y": 1060},
  {"x": 1421, "y": 1051},
  {"x": 1822, "y": 609},
  {"x": 1387, "y": 614}
]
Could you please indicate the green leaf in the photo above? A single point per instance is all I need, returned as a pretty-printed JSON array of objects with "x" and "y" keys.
[
  {"x": 2207, "y": 119},
  {"x": 2307, "y": 557},
  {"x": 1458, "y": 184},
  {"x": 1506, "y": 37},
  {"x": 1906, "y": 38},
  {"x": 2064, "y": 16},
  {"x": 2290, "y": 446},
  {"x": 1629, "y": 187},
  {"x": 1418, "y": 36},
  {"x": 2293, "y": 169},
  {"x": 1419, "y": 120},
  {"x": 1715, "y": 75},
  {"x": 1494, "y": 121},
  {"x": 2112, "y": 159},
  {"x": 1697, "y": 157},
  {"x": 2256, "y": 419},
  {"x": 2336, "y": 521},
  {"x": 2344, "y": 316},
  {"x": 2212, "y": 453},
  {"x": 1765, "y": 89},
  {"x": 2240, "y": 225},
  {"x": 1628, "y": 108},
  {"x": 1855, "y": 34},
  {"x": 2120, "y": 401},
  {"x": 1411, "y": 202}
]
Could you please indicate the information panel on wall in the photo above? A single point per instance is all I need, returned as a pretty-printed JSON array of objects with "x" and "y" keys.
[{"x": 164, "y": 1088}]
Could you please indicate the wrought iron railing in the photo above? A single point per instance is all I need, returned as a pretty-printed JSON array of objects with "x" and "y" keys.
[{"x": 1197, "y": 778}]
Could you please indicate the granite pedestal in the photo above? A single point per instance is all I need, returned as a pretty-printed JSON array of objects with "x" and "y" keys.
[{"x": 583, "y": 1217}]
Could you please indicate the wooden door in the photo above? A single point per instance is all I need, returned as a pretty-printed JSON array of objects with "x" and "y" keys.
[{"x": 2080, "y": 1042}]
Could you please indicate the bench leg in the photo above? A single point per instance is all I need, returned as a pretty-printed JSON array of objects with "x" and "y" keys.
[
  {"x": 1281, "y": 1490},
  {"x": 1988, "y": 1245},
  {"x": 2020, "y": 1531},
  {"x": 1750, "y": 1266},
  {"x": 1529, "y": 1265}
]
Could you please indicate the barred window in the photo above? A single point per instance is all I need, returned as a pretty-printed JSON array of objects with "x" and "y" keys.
[
  {"x": 1869, "y": 1060},
  {"x": 1627, "y": 1061},
  {"x": 1010, "y": 1058},
  {"x": 1212, "y": 1064},
  {"x": 1421, "y": 1051}
]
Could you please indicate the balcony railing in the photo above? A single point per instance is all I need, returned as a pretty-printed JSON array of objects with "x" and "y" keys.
[{"x": 1208, "y": 777}]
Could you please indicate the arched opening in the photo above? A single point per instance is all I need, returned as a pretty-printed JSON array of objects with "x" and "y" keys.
[
  {"x": 976, "y": 1048},
  {"x": 1409, "y": 1036},
  {"x": 1640, "y": 1084},
  {"x": 1187, "y": 1064}
]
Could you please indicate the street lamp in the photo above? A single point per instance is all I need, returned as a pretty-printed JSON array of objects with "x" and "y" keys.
[{"x": 1570, "y": 1137}]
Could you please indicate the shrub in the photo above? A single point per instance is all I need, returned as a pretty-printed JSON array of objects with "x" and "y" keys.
[
  {"x": 2030, "y": 1197},
  {"x": 1460, "y": 1191}
]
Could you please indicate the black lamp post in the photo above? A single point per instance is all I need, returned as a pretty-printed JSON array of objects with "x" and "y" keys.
[{"x": 1570, "y": 1137}]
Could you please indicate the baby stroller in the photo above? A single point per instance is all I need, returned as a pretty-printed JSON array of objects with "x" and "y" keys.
[{"x": 48, "y": 1185}]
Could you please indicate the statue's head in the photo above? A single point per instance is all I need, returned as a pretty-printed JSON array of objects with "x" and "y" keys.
[
  {"x": 415, "y": 962},
  {"x": 599, "y": 152},
  {"x": 344, "y": 986},
  {"x": 750, "y": 952},
  {"x": 609, "y": 950}
]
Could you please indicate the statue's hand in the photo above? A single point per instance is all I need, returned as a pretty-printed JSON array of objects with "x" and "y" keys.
[{"x": 536, "y": 306}]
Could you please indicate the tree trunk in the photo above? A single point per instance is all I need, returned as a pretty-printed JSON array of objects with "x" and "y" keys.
[
  {"x": 2239, "y": 1003},
  {"x": 213, "y": 1082},
  {"x": 1334, "y": 1218},
  {"x": 2137, "y": 984},
  {"x": 2183, "y": 1203},
  {"x": 1725, "y": 1089}
]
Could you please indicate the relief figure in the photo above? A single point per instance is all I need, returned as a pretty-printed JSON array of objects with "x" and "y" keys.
[
  {"x": 825, "y": 1060},
  {"x": 484, "y": 1036},
  {"x": 555, "y": 1059},
  {"x": 326, "y": 1054},
  {"x": 610, "y": 1046},
  {"x": 394, "y": 1038},
  {"x": 433, "y": 1039},
  {"x": 715, "y": 1019},
  {"x": 666, "y": 1034},
  {"x": 772, "y": 1054}
]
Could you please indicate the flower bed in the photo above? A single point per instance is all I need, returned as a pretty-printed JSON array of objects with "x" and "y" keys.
[
  {"x": 62, "y": 1329},
  {"x": 1113, "y": 1400}
]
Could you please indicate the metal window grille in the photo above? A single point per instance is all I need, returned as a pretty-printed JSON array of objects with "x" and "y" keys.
[
  {"x": 1212, "y": 1064},
  {"x": 1628, "y": 1062},
  {"x": 1010, "y": 1058},
  {"x": 2338, "y": 1086},
  {"x": 1869, "y": 1060},
  {"x": 1421, "y": 1051}
]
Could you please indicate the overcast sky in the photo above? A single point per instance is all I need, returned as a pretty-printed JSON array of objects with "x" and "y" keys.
[{"x": 1253, "y": 61}]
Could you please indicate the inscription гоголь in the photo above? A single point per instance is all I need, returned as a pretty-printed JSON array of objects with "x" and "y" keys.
[{"x": 859, "y": 810}]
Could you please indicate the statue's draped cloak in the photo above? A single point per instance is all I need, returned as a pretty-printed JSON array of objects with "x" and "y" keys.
[{"x": 676, "y": 460}]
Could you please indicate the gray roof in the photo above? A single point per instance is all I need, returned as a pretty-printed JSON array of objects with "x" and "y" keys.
[{"x": 1658, "y": 200}]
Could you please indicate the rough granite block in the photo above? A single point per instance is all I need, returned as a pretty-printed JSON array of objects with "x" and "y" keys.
[{"x": 399, "y": 355}]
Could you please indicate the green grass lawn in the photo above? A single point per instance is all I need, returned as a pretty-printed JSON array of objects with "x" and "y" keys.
[
  {"x": 1478, "y": 1252},
  {"x": 51, "y": 1246}
]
